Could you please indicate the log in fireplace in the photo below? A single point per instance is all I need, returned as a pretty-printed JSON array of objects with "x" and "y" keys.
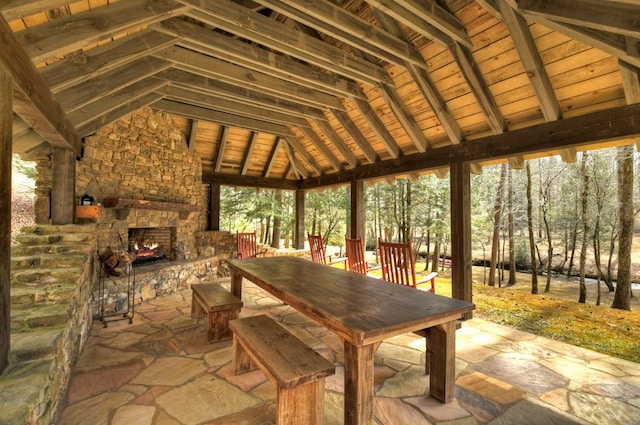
[{"x": 151, "y": 244}]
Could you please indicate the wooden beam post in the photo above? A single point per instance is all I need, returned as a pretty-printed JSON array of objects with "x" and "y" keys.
[
  {"x": 299, "y": 227},
  {"x": 357, "y": 209},
  {"x": 6, "y": 125},
  {"x": 460, "y": 185},
  {"x": 214, "y": 207},
  {"x": 64, "y": 186}
]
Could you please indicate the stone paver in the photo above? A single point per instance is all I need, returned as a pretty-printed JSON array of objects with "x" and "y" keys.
[{"x": 161, "y": 370}]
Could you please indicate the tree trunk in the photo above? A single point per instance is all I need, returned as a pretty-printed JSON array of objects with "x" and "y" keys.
[
  {"x": 532, "y": 241},
  {"x": 512, "y": 243},
  {"x": 277, "y": 223},
  {"x": 585, "y": 227},
  {"x": 497, "y": 220},
  {"x": 435, "y": 265},
  {"x": 622, "y": 296}
]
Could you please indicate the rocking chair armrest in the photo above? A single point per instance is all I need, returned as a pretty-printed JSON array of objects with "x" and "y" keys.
[
  {"x": 331, "y": 261},
  {"x": 431, "y": 277}
]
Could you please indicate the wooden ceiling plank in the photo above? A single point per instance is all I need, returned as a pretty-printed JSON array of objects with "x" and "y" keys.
[
  {"x": 191, "y": 111},
  {"x": 404, "y": 117},
  {"x": 211, "y": 67},
  {"x": 197, "y": 97},
  {"x": 478, "y": 86},
  {"x": 321, "y": 147},
  {"x": 431, "y": 12},
  {"x": 293, "y": 142},
  {"x": 272, "y": 157},
  {"x": 491, "y": 6},
  {"x": 239, "y": 94},
  {"x": 601, "y": 126},
  {"x": 252, "y": 56},
  {"x": 82, "y": 117},
  {"x": 32, "y": 99},
  {"x": 613, "y": 44},
  {"x": 248, "y": 153},
  {"x": 133, "y": 104},
  {"x": 523, "y": 40},
  {"x": 333, "y": 136},
  {"x": 62, "y": 36},
  {"x": 17, "y": 9},
  {"x": 615, "y": 17},
  {"x": 425, "y": 84},
  {"x": 222, "y": 144},
  {"x": 263, "y": 30},
  {"x": 357, "y": 136},
  {"x": 378, "y": 127},
  {"x": 333, "y": 20},
  {"x": 81, "y": 66}
]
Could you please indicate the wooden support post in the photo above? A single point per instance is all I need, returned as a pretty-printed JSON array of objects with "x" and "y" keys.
[
  {"x": 358, "y": 407},
  {"x": 6, "y": 125},
  {"x": 214, "y": 207},
  {"x": 357, "y": 209},
  {"x": 64, "y": 186},
  {"x": 460, "y": 184},
  {"x": 299, "y": 228}
]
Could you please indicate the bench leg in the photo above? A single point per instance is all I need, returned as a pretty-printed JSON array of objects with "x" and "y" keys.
[
  {"x": 301, "y": 405},
  {"x": 218, "y": 325},
  {"x": 242, "y": 362},
  {"x": 196, "y": 309}
]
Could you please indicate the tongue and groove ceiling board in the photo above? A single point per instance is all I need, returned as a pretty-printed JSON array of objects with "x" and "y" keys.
[{"x": 308, "y": 93}]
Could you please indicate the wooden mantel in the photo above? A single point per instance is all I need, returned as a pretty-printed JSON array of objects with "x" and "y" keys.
[{"x": 123, "y": 205}]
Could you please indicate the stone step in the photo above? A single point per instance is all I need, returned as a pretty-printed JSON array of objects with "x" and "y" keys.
[
  {"x": 32, "y": 382},
  {"x": 25, "y": 317},
  {"x": 44, "y": 229},
  {"x": 53, "y": 238},
  {"x": 23, "y": 250},
  {"x": 43, "y": 293},
  {"x": 35, "y": 344},
  {"x": 42, "y": 276},
  {"x": 47, "y": 261}
]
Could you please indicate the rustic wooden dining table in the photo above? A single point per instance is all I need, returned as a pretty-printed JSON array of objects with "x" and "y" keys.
[{"x": 363, "y": 311}]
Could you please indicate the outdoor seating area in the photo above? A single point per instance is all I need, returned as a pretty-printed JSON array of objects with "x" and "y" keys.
[{"x": 162, "y": 370}]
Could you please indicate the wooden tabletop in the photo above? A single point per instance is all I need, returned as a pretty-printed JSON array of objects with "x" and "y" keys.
[{"x": 361, "y": 309}]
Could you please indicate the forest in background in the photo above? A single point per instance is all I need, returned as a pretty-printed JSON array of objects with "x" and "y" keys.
[{"x": 549, "y": 218}]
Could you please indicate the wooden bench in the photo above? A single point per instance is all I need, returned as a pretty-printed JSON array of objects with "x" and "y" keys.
[
  {"x": 295, "y": 369},
  {"x": 219, "y": 305}
]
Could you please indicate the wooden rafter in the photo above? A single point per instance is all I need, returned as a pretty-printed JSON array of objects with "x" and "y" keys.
[
  {"x": 277, "y": 143},
  {"x": 248, "y": 153},
  {"x": 321, "y": 147}
]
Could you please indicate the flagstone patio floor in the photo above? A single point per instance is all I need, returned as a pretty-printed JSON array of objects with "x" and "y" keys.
[{"x": 160, "y": 370}]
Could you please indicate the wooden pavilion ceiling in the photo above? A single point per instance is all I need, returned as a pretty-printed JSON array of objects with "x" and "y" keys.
[{"x": 304, "y": 93}]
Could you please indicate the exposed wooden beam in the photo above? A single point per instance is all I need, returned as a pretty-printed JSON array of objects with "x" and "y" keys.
[
  {"x": 16, "y": 9},
  {"x": 300, "y": 171},
  {"x": 610, "y": 16},
  {"x": 526, "y": 46},
  {"x": 440, "y": 18},
  {"x": 272, "y": 157},
  {"x": 357, "y": 136},
  {"x": 222, "y": 144},
  {"x": 210, "y": 67},
  {"x": 225, "y": 14},
  {"x": 60, "y": 37},
  {"x": 631, "y": 84},
  {"x": 192, "y": 95},
  {"x": 32, "y": 99},
  {"x": 611, "y": 124},
  {"x": 407, "y": 120},
  {"x": 117, "y": 111},
  {"x": 248, "y": 181},
  {"x": 191, "y": 111},
  {"x": 249, "y": 97},
  {"x": 425, "y": 84},
  {"x": 78, "y": 96},
  {"x": 84, "y": 65},
  {"x": 248, "y": 153},
  {"x": 378, "y": 127},
  {"x": 193, "y": 134},
  {"x": 295, "y": 143},
  {"x": 491, "y": 6},
  {"x": 333, "y": 20},
  {"x": 475, "y": 168},
  {"x": 321, "y": 147},
  {"x": 231, "y": 49},
  {"x": 441, "y": 173},
  {"x": 516, "y": 162},
  {"x": 333, "y": 136}
]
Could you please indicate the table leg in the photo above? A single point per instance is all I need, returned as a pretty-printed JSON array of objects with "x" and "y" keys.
[
  {"x": 236, "y": 284},
  {"x": 358, "y": 384},
  {"x": 441, "y": 346}
]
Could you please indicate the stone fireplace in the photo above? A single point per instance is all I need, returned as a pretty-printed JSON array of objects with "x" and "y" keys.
[{"x": 151, "y": 244}]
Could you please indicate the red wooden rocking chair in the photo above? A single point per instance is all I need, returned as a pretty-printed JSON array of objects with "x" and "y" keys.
[
  {"x": 248, "y": 246},
  {"x": 318, "y": 255},
  {"x": 398, "y": 266}
]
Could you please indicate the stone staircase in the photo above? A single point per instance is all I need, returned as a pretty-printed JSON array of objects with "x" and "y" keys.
[{"x": 52, "y": 272}]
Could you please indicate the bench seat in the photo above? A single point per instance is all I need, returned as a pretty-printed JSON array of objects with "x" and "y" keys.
[
  {"x": 218, "y": 305},
  {"x": 297, "y": 371}
]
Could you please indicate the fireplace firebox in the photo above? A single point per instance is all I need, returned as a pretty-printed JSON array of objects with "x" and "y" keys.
[{"x": 151, "y": 244}]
